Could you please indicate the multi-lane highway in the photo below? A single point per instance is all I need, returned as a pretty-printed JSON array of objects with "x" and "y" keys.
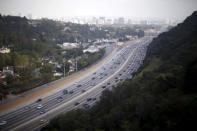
[{"x": 82, "y": 94}]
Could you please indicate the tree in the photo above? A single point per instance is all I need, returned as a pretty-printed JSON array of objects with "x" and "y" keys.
[
  {"x": 47, "y": 72},
  {"x": 66, "y": 66},
  {"x": 9, "y": 79},
  {"x": 47, "y": 69},
  {"x": 21, "y": 61}
]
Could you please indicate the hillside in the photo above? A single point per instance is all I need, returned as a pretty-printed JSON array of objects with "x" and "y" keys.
[{"x": 162, "y": 96}]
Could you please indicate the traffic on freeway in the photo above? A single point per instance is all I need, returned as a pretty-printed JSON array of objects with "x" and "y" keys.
[{"x": 83, "y": 93}]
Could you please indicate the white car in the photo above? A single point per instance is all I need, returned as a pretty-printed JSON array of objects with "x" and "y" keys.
[
  {"x": 3, "y": 123},
  {"x": 93, "y": 84},
  {"x": 42, "y": 121},
  {"x": 42, "y": 112},
  {"x": 27, "y": 107},
  {"x": 39, "y": 106}
]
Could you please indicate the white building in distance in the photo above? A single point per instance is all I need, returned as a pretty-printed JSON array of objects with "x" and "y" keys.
[
  {"x": 69, "y": 45},
  {"x": 4, "y": 50},
  {"x": 8, "y": 70},
  {"x": 91, "y": 49}
]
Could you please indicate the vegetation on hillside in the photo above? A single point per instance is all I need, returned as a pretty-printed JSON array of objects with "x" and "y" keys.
[
  {"x": 162, "y": 96},
  {"x": 89, "y": 58}
]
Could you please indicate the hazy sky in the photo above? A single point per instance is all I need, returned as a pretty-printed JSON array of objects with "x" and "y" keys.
[{"x": 165, "y": 9}]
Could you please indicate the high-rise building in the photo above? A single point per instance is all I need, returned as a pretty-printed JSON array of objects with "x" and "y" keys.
[
  {"x": 29, "y": 16},
  {"x": 101, "y": 20},
  {"x": 121, "y": 20},
  {"x": 109, "y": 21},
  {"x": 129, "y": 21}
]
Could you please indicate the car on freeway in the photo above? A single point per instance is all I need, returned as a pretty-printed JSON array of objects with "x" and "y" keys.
[
  {"x": 42, "y": 112},
  {"x": 101, "y": 78},
  {"x": 78, "y": 85},
  {"x": 101, "y": 73},
  {"x": 94, "y": 98},
  {"x": 77, "y": 103},
  {"x": 86, "y": 106},
  {"x": 39, "y": 106},
  {"x": 3, "y": 123},
  {"x": 27, "y": 107},
  {"x": 71, "y": 92},
  {"x": 83, "y": 91},
  {"x": 65, "y": 92},
  {"x": 103, "y": 87},
  {"x": 42, "y": 121},
  {"x": 60, "y": 98},
  {"x": 93, "y": 84},
  {"x": 39, "y": 100},
  {"x": 89, "y": 99}
]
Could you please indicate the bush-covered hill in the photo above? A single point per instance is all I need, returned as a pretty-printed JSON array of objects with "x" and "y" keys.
[{"x": 162, "y": 96}]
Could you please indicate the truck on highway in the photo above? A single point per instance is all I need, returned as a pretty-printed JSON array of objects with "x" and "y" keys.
[{"x": 67, "y": 91}]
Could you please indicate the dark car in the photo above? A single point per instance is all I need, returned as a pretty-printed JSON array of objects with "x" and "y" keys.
[
  {"x": 65, "y": 92},
  {"x": 94, "y": 98},
  {"x": 89, "y": 99},
  {"x": 77, "y": 103},
  {"x": 79, "y": 86},
  {"x": 83, "y": 91},
  {"x": 39, "y": 100},
  {"x": 86, "y": 106},
  {"x": 70, "y": 92}
]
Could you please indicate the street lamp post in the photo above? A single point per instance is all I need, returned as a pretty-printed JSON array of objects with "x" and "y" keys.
[
  {"x": 64, "y": 66},
  {"x": 76, "y": 64}
]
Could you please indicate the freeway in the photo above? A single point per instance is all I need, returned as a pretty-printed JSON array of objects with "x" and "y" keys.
[{"x": 82, "y": 93}]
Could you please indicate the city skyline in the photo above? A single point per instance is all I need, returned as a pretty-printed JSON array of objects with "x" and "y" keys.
[{"x": 138, "y": 9}]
